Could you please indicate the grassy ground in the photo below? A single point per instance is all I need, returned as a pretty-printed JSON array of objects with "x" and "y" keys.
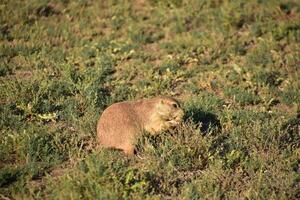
[{"x": 234, "y": 65}]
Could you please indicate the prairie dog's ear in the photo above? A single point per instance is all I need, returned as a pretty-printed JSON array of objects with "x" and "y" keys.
[{"x": 160, "y": 104}]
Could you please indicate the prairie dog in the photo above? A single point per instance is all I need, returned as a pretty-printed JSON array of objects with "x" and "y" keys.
[{"x": 122, "y": 123}]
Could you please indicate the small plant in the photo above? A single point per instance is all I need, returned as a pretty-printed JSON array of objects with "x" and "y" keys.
[{"x": 241, "y": 96}]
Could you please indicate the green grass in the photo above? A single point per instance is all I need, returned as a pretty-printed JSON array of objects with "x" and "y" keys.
[{"x": 234, "y": 65}]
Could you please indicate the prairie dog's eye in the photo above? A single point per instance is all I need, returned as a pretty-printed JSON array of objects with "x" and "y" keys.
[{"x": 175, "y": 105}]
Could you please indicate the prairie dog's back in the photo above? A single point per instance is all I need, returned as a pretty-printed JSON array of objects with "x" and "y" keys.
[{"x": 116, "y": 118}]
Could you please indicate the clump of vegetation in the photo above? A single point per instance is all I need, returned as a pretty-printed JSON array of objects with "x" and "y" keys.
[{"x": 233, "y": 65}]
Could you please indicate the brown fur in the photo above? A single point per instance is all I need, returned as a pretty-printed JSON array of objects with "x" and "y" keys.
[{"x": 122, "y": 123}]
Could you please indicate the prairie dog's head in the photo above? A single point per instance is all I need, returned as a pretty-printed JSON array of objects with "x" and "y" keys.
[{"x": 169, "y": 110}]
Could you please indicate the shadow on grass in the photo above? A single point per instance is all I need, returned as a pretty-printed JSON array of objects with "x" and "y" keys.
[
  {"x": 207, "y": 120},
  {"x": 290, "y": 133}
]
